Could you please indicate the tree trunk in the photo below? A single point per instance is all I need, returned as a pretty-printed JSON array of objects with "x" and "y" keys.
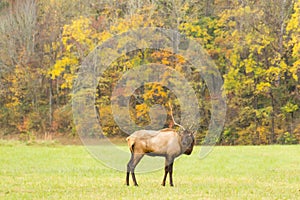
[
  {"x": 272, "y": 138},
  {"x": 50, "y": 104}
]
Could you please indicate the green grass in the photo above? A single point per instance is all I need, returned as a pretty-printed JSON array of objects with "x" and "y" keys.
[{"x": 70, "y": 172}]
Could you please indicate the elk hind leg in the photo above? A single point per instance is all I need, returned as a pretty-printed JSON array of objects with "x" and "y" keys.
[
  {"x": 128, "y": 169},
  {"x": 136, "y": 159}
]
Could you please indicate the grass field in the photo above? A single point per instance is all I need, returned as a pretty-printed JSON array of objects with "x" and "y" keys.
[{"x": 70, "y": 172}]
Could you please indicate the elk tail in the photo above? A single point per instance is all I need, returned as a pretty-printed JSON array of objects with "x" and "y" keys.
[{"x": 130, "y": 143}]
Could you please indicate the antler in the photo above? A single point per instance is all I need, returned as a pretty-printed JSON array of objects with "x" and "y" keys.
[{"x": 174, "y": 119}]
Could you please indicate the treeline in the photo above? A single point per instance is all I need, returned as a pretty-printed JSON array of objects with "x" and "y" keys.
[{"x": 255, "y": 44}]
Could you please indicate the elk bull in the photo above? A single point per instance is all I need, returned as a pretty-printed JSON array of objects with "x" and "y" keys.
[{"x": 167, "y": 143}]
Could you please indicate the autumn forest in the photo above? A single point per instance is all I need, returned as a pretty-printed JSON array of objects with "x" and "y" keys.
[{"x": 255, "y": 45}]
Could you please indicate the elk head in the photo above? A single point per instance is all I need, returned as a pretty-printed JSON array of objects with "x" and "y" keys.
[
  {"x": 187, "y": 141},
  {"x": 187, "y": 137}
]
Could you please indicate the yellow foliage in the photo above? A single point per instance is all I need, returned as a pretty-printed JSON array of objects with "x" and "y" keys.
[
  {"x": 293, "y": 28},
  {"x": 294, "y": 22},
  {"x": 78, "y": 39},
  {"x": 60, "y": 66},
  {"x": 16, "y": 89},
  {"x": 230, "y": 81},
  {"x": 234, "y": 59},
  {"x": 105, "y": 35},
  {"x": 294, "y": 69},
  {"x": 141, "y": 109},
  {"x": 250, "y": 65},
  {"x": 263, "y": 132},
  {"x": 283, "y": 65},
  {"x": 165, "y": 61},
  {"x": 273, "y": 73},
  {"x": 154, "y": 90},
  {"x": 192, "y": 29},
  {"x": 263, "y": 87}
]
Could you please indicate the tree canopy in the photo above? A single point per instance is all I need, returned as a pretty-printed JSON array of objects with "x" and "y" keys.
[{"x": 255, "y": 45}]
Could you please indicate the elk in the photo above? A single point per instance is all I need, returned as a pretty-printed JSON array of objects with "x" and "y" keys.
[{"x": 167, "y": 143}]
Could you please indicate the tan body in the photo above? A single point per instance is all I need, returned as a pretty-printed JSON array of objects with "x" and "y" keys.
[
  {"x": 166, "y": 142},
  {"x": 155, "y": 143}
]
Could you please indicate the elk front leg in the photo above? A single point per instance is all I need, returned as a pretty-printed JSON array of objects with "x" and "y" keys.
[
  {"x": 165, "y": 176},
  {"x": 171, "y": 174},
  {"x": 168, "y": 169}
]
